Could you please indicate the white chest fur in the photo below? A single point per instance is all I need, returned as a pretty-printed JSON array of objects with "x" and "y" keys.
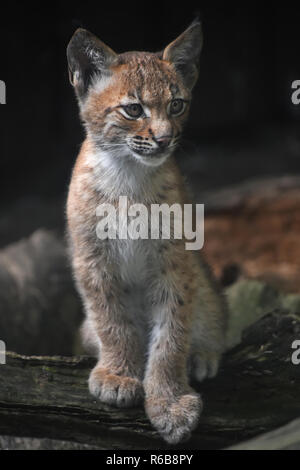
[{"x": 119, "y": 177}]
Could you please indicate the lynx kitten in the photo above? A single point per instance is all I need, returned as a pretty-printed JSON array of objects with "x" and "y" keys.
[{"x": 153, "y": 313}]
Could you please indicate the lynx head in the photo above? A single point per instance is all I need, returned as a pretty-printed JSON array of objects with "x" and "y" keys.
[{"x": 135, "y": 104}]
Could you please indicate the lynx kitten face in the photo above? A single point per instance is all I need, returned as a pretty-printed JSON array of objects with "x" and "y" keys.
[
  {"x": 154, "y": 316},
  {"x": 134, "y": 105}
]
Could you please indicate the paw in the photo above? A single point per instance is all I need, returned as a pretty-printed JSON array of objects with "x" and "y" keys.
[
  {"x": 174, "y": 418},
  {"x": 204, "y": 364},
  {"x": 116, "y": 390}
]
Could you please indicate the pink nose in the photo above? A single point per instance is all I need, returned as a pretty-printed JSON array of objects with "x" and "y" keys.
[{"x": 163, "y": 141}]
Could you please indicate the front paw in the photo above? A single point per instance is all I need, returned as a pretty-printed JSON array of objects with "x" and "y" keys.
[
  {"x": 176, "y": 417},
  {"x": 116, "y": 390},
  {"x": 204, "y": 364}
]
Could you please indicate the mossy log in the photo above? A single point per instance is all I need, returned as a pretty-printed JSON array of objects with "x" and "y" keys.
[{"x": 257, "y": 390}]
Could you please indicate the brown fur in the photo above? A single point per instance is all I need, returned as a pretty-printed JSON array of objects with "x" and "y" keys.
[{"x": 153, "y": 311}]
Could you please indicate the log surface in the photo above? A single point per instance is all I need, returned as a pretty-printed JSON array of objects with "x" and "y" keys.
[
  {"x": 256, "y": 391},
  {"x": 284, "y": 438}
]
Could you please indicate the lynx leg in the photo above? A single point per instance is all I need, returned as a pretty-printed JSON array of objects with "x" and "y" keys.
[
  {"x": 208, "y": 337},
  {"x": 116, "y": 378},
  {"x": 173, "y": 407}
]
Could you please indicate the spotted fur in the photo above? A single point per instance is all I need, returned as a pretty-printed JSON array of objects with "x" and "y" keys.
[{"x": 153, "y": 312}]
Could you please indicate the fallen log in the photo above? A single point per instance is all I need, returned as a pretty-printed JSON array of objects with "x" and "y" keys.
[
  {"x": 258, "y": 223},
  {"x": 284, "y": 438},
  {"x": 257, "y": 390}
]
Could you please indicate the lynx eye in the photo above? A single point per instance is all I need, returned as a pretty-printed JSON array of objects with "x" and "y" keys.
[
  {"x": 176, "y": 106},
  {"x": 133, "y": 110}
]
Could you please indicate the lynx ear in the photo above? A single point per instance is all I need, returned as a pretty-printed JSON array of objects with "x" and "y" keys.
[
  {"x": 184, "y": 53},
  {"x": 87, "y": 56}
]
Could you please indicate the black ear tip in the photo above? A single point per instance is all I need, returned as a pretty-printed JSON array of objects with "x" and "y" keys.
[
  {"x": 80, "y": 30},
  {"x": 79, "y": 36},
  {"x": 82, "y": 33},
  {"x": 196, "y": 23},
  {"x": 196, "y": 30},
  {"x": 80, "y": 40},
  {"x": 197, "y": 16}
]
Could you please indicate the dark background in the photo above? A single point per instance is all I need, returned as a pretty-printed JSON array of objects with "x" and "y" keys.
[{"x": 243, "y": 123}]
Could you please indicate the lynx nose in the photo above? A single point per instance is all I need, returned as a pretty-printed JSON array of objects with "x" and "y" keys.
[{"x": 163, "y": 141}]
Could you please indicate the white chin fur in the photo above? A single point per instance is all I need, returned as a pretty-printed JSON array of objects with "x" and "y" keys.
[{"x": 148, "y": 161}]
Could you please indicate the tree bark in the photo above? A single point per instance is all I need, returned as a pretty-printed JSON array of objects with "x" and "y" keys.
[{"x": 257, "y": 390}]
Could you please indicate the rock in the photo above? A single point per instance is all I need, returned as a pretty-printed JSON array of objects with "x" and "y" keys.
[
  {"x": 39, "y": 308},
  {"x": 249, "y": 300}
]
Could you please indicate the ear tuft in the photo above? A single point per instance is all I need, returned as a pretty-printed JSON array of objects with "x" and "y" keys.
[
  {"x": 184, "y": 52},
  {"x": 87, "y": 56}
]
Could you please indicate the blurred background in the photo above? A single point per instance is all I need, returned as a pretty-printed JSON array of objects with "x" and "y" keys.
[{"x": 241, "y": 151}]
